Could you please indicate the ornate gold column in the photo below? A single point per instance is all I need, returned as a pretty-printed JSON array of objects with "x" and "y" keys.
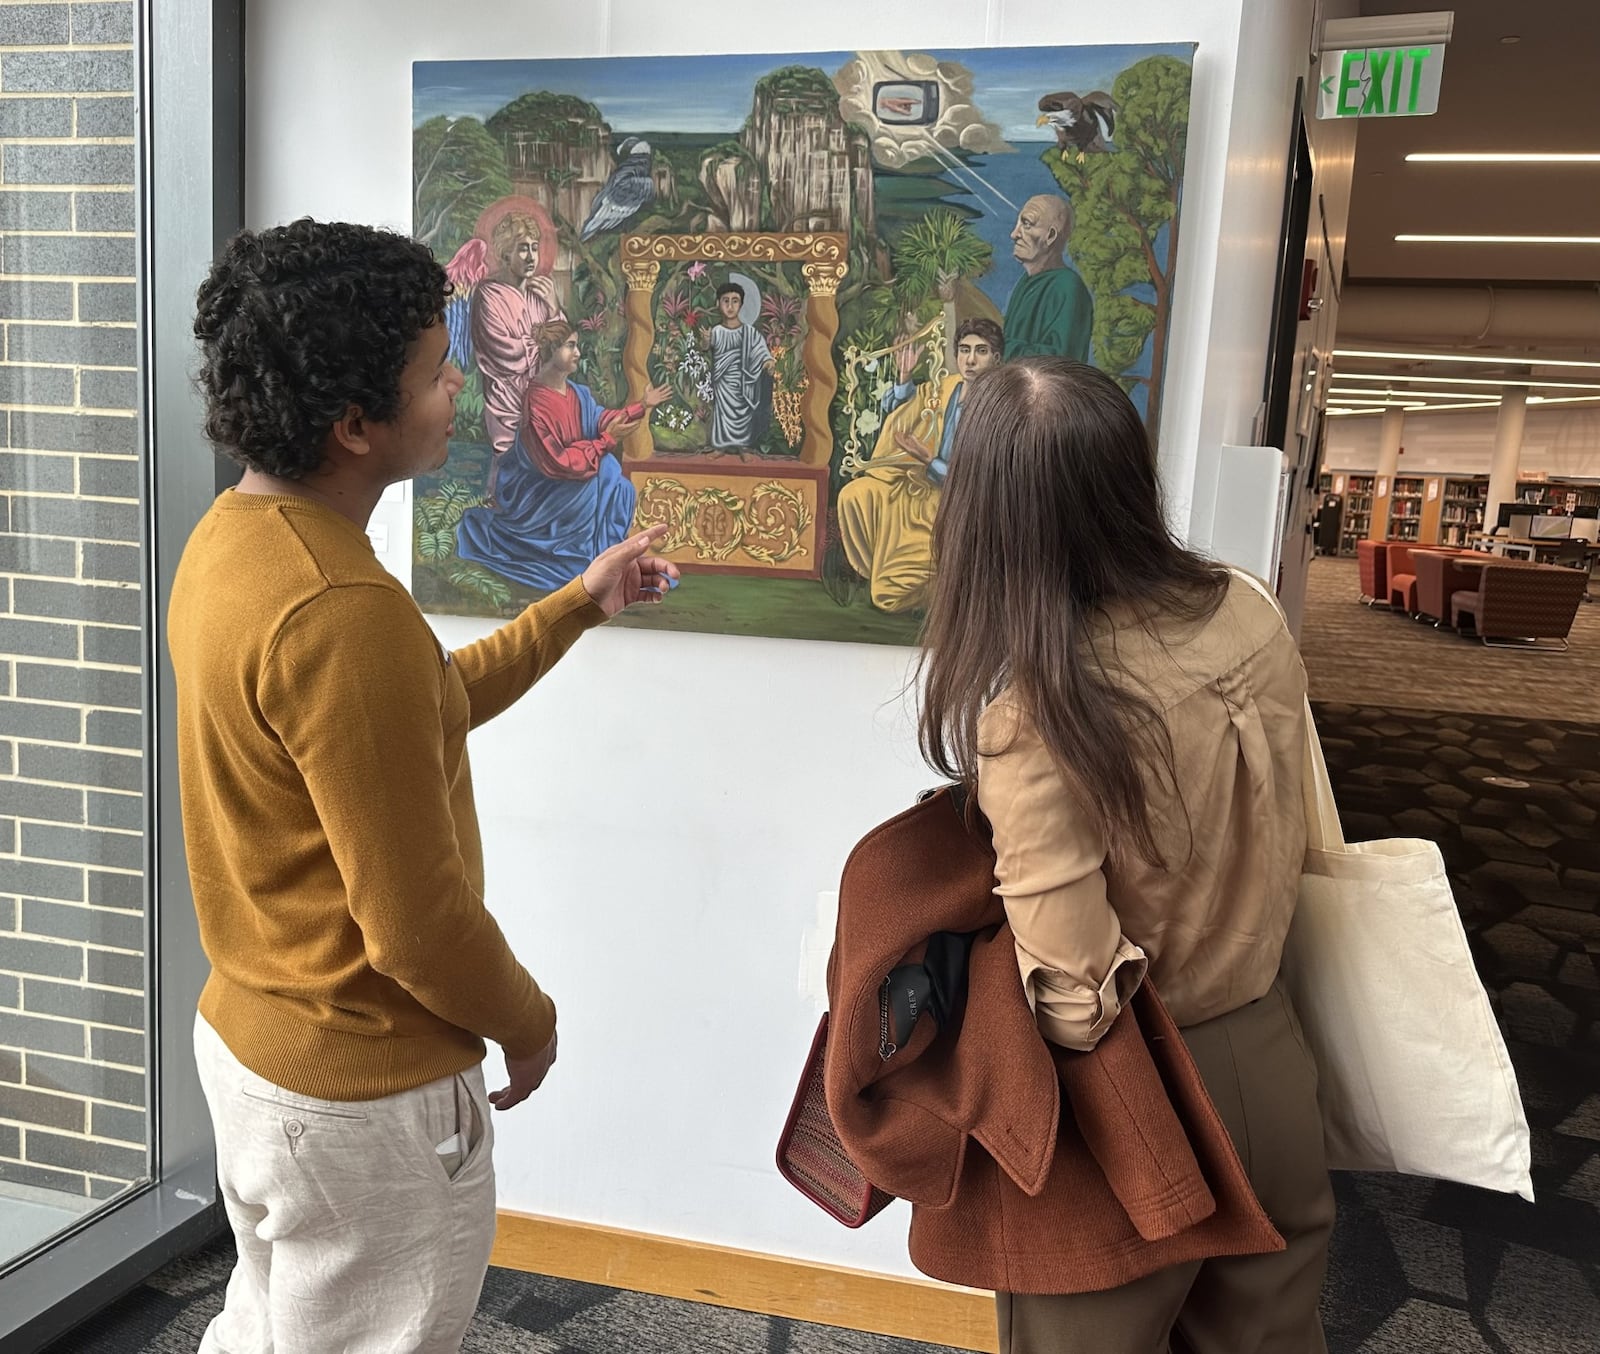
[
  {"x": 641, "y": 276},
  {"x": 822, "y": 326}
]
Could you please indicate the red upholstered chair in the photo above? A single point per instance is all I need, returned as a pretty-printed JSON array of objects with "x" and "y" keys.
[
  {"x": 1438, "y": 578},
  {"x": 1402, "y": 578},
  {"x": 1518, "y": 605},
  {"x": 1372, "y": 559}
]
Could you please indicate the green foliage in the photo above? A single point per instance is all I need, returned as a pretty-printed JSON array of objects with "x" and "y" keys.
[
  {"x": 939, "y": 248},
  {"x": 730, "y": 148},
  {"x": 685, "y": 305},
  {"x": 600, "y": 366},
  {"x": 883, "y": 309},
  {"x": 469, "y": 407},
  {"x": 1122, "y": 200},
  {"x": 563, "y": 118},
  {"x": 1122, "y": 326},
  {"x": 457, "y": 169},
  {"x": 436, "y": 516},
  {"x": 871, "y": 334},
  {"x": 477, "y": 581},
  {"x": 440, "y": 511},
  {"x": 597, "y": 304},
  {"x": 799, "y": 89}
]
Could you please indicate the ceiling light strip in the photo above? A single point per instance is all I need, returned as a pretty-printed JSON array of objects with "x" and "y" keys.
[
  {"x": 1463, "y": 357},
  {"x": 1503, "y": 157},
  {"x": 1433, "y": 377},
  {"x": 1456, "y": 408},
  {"x": 1499, "y": 239},
  {"x": 1364, "y": 392}
]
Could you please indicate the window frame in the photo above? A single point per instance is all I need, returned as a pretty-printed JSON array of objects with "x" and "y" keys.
[{"x": 189, "y": 196}]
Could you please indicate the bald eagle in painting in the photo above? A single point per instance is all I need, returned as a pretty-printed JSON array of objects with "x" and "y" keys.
[
  {"x": 627, "y": 192},
  {"x": 1082, "y": 123}
]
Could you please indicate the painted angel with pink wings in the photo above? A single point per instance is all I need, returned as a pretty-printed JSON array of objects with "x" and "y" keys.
[{"x": 503, "y": 294}]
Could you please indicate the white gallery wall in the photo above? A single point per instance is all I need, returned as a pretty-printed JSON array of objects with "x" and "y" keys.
[
  {"x": 661, "y": 814},
  {"x": 1555, "y": 441}
]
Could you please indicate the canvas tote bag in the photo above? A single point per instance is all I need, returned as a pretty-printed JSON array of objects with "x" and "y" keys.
[{"x": 1413, "y": 1075}]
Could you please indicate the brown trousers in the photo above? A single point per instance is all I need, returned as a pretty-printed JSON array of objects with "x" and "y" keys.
[{"x": 1264, "y": 1084}]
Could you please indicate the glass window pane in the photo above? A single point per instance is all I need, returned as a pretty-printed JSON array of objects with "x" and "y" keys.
[{"x": 74, "y": 1128}]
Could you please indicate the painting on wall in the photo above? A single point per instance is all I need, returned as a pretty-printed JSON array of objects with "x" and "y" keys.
[{"x": 746, "y": 296}]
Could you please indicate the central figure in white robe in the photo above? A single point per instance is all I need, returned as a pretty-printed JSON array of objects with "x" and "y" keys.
[{"x": 741, "y": 367}]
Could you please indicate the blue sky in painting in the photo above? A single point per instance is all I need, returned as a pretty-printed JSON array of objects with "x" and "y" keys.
[{"x": 712, "y": 93}]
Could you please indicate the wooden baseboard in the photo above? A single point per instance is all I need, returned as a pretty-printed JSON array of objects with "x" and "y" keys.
[{"x": 801, "y": 1290}]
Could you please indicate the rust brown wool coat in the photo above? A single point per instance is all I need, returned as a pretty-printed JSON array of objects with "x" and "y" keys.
[{"x": 1030, "y": 1168}]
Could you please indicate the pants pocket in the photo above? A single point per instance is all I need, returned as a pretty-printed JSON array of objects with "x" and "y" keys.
[
  {"x": 316, "y": 1109},
  {"x": 457, "y": 1151},
  {"x": 1292, "y": 1019}
]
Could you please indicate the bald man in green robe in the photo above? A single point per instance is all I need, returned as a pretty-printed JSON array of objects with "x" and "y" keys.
[{"x": 1050, "y": 313}]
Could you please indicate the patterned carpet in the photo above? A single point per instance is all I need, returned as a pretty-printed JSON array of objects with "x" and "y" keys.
[
  {"x": 1417, "y": 1267},
  {"x": 1373, "y": 656}
]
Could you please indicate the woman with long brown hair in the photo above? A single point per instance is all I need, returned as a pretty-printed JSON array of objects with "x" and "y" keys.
[{"x": 1130, "y": 715}]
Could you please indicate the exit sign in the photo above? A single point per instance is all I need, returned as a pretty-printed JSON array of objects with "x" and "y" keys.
[{"x": 1381, "y": 82}]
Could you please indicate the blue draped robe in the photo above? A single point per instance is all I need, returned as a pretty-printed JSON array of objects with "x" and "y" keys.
[{"x": 543, "y": 531}]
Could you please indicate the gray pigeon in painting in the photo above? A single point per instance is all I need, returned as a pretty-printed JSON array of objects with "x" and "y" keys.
[{"x": 626, "y": 193}]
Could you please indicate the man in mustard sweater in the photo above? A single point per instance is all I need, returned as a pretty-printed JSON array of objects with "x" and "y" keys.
[{"x": 332, "y": 842}]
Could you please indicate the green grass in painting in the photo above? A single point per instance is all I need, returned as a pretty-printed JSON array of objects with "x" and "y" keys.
[{"x": 786, "y": 608}]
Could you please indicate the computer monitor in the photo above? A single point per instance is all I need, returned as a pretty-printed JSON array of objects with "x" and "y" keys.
[
  {"x": 1550, "y": 528},
  {"x": 1515, "y": 522}
]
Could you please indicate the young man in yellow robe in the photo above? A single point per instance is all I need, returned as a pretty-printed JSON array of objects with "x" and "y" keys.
[{"x": 886, "y": 513}]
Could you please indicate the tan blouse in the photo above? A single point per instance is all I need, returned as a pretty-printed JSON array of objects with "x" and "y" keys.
[{"x": 1211, "y": 923}]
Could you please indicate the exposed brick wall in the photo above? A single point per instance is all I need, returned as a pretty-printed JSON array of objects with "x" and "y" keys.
[{"x": 72, "y": 926}]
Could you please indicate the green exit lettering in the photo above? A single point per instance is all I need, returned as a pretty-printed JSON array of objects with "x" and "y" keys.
[
  {"x": 1416, "y": 55},
  {"x": 1382, "y": 72}
]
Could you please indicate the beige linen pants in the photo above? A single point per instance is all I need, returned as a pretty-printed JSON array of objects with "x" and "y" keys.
[
  {"x": 356, "y": 1234},
  {"x": 1264, "y": 1084}
]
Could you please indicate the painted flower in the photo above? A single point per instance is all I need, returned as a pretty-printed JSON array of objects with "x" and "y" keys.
[
  {"x": 867, "y": 421},
  {"x": 593, "y": 322},
  {"x": 780, "y": 314},
  {"x": 697, "y": 271}
]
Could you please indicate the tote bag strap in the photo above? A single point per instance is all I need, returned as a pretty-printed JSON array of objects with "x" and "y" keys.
[{"x": 1323, "y": 832}]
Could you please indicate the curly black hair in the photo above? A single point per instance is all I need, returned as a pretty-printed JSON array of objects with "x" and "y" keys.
[{"x": 296, "y": 324}]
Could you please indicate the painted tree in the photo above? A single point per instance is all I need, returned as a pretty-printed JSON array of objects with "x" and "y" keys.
[
  {"x": 457, "y": 169},
  {"x": 562, "y": 120},
  {"x": 934, "y": 254},
  {"x": 1123, "y": 200}
]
